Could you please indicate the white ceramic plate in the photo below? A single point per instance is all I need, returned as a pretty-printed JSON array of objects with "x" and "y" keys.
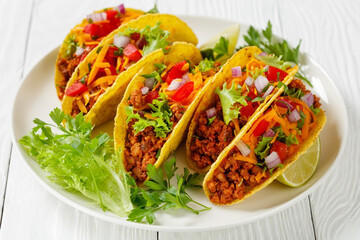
[{"x": 36, "y": 97}]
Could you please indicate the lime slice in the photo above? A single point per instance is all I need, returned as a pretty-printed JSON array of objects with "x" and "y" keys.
[
  {"x": 231, "y": 34},
  {"x": 303, "y": 168}
]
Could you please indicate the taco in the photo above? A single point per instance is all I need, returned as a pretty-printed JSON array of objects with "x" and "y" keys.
[
  {"x": 244, "y": 85},
  {"x": 274, "y": 141},
  {"x": 99, "y": 82},
  {"x": 158, "y": 105},
  {"x": 84, "y": 37}
]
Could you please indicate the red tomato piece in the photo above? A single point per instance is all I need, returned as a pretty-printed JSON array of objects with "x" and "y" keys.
[
  {"x": 280, "y": 148},
  {"x": 135, "y": 36},
  {"x": 180, "y": 65},
  {"x": 76, "y": 89},
  {"x": 132, "y": 52},
  {"x": 174, "y": 73},
  {"x": 261, "y": 128},
  {"x": 183, "y": 92},
  {"x": 252, "y": 93},
  {"x": 111, "y": 14},
  {"x": 247, "y": 110},
  {"x": 107, "y": 28},
  {"x": 272, "y": 74},
  {"x": 151, "y": 96},
  {"x": 93, "y": 29}
]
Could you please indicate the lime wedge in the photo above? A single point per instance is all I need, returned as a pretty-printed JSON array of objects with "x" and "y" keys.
[
  {"x": 231, "y": 34},
  {"x": 303, "y": 168}
]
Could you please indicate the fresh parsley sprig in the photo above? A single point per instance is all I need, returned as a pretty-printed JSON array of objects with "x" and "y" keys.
[
  {"x": 265, "y": 41},
  {"x": 161, "y": 195}
]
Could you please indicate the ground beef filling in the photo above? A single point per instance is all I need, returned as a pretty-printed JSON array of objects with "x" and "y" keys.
[
  {"x": 210, "y": 140},
  {"x": 233, "y": 179},
  {"x": 297, "y": 83},
  {"x": 141, "y": 149},
  {"x": 75, "y": 108}
]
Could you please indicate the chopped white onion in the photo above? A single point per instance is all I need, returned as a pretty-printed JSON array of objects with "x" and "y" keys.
[
  {"x": 96, "y": 17},
  {"x": 272, "y": 160},
  {"x": 120, "y": 8},
  {"x": 149, "y": 82},
  {"x": 211, "y": 112},
  {"x": 144, "y": 90},
  {"x": 79, "y": 51},
  {"x": 260, "y": 83},
  {"x": 236, "y": 71},
  {"x": 294, "y": 116},
  {"x": 121, "y": 41},
  {"x": 268, "y": 91},
  {"x": 249, "y": 81},
  {"x": 308, "y": 99},
  {"x": 269, "y": 133},
  {"x": 185, "y": 77},
  {"x": 175, "y": 84},
  {"x": 243, "y": 148}
]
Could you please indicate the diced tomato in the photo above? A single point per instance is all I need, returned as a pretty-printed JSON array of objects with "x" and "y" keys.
[
  {"x": 175, "y": 72},
  {"x": 76, "y": 89},
  {"x": 180, "y": 65},
  {"x": 272, "y": 74},
  {"x": 107, "y": 28},
  {"x": 280, "y": 148},
  {"x": 252, "y": 93},
  {"x": 261, "y": 128},
  {"x": 183, "y": 92},
  {"x": 111, "y": 14},
  {"x": 111, "y": 57},
  {"x": 247, "y": 110},
  {"x": 151, "y": 96},
  {"x": 92, "y": 29},
  {"x": 132, "y": 52}
]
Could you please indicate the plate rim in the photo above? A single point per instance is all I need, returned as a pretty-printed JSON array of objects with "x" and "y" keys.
[{"x": 122, "y": 220}]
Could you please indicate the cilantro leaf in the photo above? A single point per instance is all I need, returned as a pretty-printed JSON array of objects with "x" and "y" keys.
[
  {"x": 221, "y": 48},
  {"x": 206, "y": 65},
  {"x": 228, "y": 97},
  {"x": 153, "y": 10}
]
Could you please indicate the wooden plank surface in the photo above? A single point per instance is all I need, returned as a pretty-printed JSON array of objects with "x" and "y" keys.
[{"x": 330, "y": 32}]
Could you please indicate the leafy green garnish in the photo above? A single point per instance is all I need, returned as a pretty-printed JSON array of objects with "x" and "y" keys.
[
  {"x": 315, "y": 110},
  {"x": 161, "y": 194},
  {"x": 263, "y": 147},
  {"x": 156, "y": 74},
  {"x": 264, "y": 40},
  {"x": 301, "y": 122},
  {"x": 288, "y": 140},
  {"x": 154, "y": 36},
  {"x": 153, "y": 10},
  {"x": 274, "y": 61},
  {"x": 210, "y": 120},
  {"x": 257, "y": 99},
  {"x": 206, "y": 65},
  {"x": 70, "y": 44},
  {"x": 79, "y": 163},
  {"x": 228, "y": 98},
  {"x": 160, "y": 111},
  {"x": 221, "y": 48}
]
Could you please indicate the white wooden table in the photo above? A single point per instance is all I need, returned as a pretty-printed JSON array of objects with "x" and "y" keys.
[{"x": 330, "y": 31}]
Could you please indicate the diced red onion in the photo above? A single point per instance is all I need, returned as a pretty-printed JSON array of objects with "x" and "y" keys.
[
  {"x": 243, "y": 148},
  {"x": 149, "y": 82},
  {"x": 211, "y": 112},
  {"x": 308, "y": 99},
  {"x": 236, "y": 71},
  {"x": 79, "y": 51},
  {"x": 141, "y": 42},
  {"x": 121, "y": 41},
  {"x": 284, "y": 104},
  {"x": 120, "y": 8},
  {"x": 262, "y": 54},
  {"x": 268, "y": 91},
  {"x": 185, "y": 77},
  {"x": 260, "y": 83},
  {"x": 294, "y": 116},
  {"x": 269, "y": 133},
  {"x": 96, "y": 17},
  {"x": 175, "y": 84},
  {"x": 144, "y": 90},
  {"x": 272, "y": 160},
  {"x": 249, "y": 81}
]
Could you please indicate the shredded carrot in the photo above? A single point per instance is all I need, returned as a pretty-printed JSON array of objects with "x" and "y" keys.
[
  {"x": 245, "y": 159},
  {"x": 126, "y": 61},
  {"x": 103, "y": 65},
  {"x": 92, "y": 43},
  {"x": 81, "y": 106},
  {"x": 98, "y": 60},
  {"x": 102, "y": 80},
  {"x": 108, "y": 72},
  {"x": 86, "y": 96},
  {"x": 236, "y": 123},
  {"x": 118, "y": 63}
]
